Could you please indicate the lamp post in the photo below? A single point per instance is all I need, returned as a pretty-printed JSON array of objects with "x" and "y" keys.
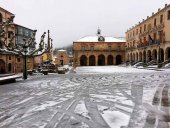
[{"x": 25, "y": 47}]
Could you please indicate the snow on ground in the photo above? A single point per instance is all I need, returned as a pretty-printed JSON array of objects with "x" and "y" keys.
[
  {"x": 90, "y": 97},
  {"x": 110, "y": 69},
  {"x": 81, "y": 110},
  {"x": 115, "y": 119}
]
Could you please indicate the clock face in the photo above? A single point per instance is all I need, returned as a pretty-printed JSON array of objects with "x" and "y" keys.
[{"x": 101, "y": 38}]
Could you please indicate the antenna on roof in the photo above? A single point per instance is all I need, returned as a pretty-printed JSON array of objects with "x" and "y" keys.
[{"x": 98, "y": 31}]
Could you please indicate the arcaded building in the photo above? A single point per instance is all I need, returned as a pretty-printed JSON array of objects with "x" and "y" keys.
[
  {"x": 9, "y": 62},
  {"x": 99, "y": 51},
  {"x": 149, "y": 40}
]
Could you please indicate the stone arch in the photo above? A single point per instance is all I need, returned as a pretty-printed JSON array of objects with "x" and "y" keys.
[
  {"x": 133, "y": 57},
  {"x": 137, "y": 57},
  {"x": 144, "y": 56},
  {"x": 168, "y": 53},
  {"x": 127, "y": 57},
  {"x": 149, "y": 55},
  {"x": 118, "y": 59},
  {"x": 161, "y": 55},
  {"x": 130, "y": 56},
  {"x": 140, "y": 56},
  {"x": 2, "y": 66},
  {"x": 101, "y": 60},
  {"x": 154, "y": 55},
  {"x": 9, "y": 67},
  {"x": 92, "y": 60},
  {"x": 83, "y": 60},
  {"x": 110, "y": 60}
]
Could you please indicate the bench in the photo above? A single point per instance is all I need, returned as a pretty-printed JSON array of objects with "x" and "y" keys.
[{"x": 8, "y": 78}]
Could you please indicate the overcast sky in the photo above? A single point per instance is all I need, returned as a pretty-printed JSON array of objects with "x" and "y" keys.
[{"x": 69, "y": 20}]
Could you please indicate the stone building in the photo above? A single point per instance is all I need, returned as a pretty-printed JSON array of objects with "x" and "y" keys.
[
  {"x": 62, "y": 58},
  {"x": 9, "y": 62},
  {"x": 22, "y": 33},
  {"x": 99, "y": 50},
  {"x": 149, "y": 40}
]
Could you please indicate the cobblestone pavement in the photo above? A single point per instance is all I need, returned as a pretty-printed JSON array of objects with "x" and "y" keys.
[{"x": 77, "y": 100}]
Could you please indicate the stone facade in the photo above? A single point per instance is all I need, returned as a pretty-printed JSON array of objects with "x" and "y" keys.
[
  {"x": 9, "y": 61},
  {"x": 62, "y": 57},
  {"x": 98, "y": 50},
  {"x": 149, "y": 40}
]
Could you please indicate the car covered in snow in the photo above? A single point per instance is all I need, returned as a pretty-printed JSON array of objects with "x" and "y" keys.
[{"x": 138, "y": 65}]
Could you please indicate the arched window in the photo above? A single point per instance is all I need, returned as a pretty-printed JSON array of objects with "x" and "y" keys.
[{"x": 0, "y": 18}]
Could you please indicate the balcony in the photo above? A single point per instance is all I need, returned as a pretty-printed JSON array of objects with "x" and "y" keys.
[{"x": 149, "y": 43}]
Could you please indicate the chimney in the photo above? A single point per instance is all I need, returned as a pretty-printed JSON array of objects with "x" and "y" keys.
[{"x": 153, "y": 13}]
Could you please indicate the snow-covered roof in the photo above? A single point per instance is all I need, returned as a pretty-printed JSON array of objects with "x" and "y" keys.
[
  {"x": 95, "y": 39},
  {"x": 61, "y": 50}
]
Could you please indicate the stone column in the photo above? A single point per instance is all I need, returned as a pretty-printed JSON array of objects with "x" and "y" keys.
[
  {"x": 105, "y": 60},
  {"x": 96, "y": 57}
]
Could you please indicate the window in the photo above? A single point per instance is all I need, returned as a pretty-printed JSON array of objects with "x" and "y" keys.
[
  {"x": 134, "y": 43},
  {"x": 0, "y": 18},
  {"x": 145, "y": 27},
  {"x": 136, "y": 31},
  {"x": 140, "y": 29},
  {"x": 9, "y": 57},
  {"x": 92, "y": 48},
  {"x": 161, "y": 19},
  {"x": 20, "y": 31},
  {"x": 144, "y": 39},
  {"x": 110, "y": 48},
  {"x": 149, "y": 26},
  {"x": 169, "y": 15},
  {"x": 10, "y": 34},
  {"x": 155, "y": 22},
  {"x": 119, "y": 48},
  {"x": 83, "y": 48},
  {"x": 18, "y": 59},
  {"x": 154, "y": 36}
]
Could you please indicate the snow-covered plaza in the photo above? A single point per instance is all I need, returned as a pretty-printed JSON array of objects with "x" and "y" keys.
[{"x": 88, "y": 97}]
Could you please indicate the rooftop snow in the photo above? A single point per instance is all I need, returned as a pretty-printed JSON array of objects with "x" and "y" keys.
[
  {"x": 61, "y": 50},
  {"x": 95, "y": 39}
]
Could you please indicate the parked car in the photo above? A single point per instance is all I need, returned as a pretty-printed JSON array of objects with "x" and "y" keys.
[{"x": 139, "y": 64}]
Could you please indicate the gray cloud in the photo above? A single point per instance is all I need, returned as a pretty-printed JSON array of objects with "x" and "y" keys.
[{"x": 70, "y": 20}]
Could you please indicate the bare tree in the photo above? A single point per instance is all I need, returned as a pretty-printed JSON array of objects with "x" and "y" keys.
[{"x": 23, "y": 50}]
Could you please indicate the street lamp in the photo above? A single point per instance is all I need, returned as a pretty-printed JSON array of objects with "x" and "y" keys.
[{"x": 25, "y": 49}]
